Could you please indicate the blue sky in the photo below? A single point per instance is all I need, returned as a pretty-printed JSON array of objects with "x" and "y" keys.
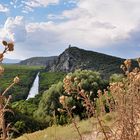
[{"x": 47, "y": 27}]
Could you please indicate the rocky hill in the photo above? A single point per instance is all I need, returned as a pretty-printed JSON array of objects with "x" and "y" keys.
[
  {"x": 75, "y": 58},
  {"x": 39, "y": 61}
]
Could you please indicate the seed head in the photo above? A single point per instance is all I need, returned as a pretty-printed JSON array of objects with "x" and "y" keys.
[
  {"x": 16, "y": 80},
  {"x": 4, "y": 43},
  {"x": 62, "y": 99},
  {"x": 10, "y": 46}
]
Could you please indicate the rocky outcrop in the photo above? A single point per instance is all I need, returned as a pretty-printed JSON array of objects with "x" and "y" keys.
[{"x": 74, "y": 58}]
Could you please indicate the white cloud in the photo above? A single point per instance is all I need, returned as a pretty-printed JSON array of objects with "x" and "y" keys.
[
  {"x": 39, "y": 3},
  {"x": 3, "y": 8},
  {"x": 92, "y": 24},
  {"x": 14, "y": 29},
  {"x": 29, "y": 5}
]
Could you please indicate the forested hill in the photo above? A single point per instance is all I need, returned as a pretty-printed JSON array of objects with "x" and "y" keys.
[{"x": 38, "y": 61}]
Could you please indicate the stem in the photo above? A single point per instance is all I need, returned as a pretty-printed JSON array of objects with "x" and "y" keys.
[
  {"x": 88, "y": 102},
  {"x": 4, "y": 133},
  {"x": 99, "y": 121},
  {"x": 74, "y": 122},
  {"x": 7, "y": 89}
]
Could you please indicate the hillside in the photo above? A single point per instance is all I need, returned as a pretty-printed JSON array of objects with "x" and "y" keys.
[
  {"x": 38, "y": 61},
  {"x": 75, "y": 58}
]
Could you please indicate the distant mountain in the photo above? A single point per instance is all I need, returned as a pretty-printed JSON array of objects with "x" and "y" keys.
[
  {"x": 75, "y": 58},
  {"x": 38, "y": 61},
  {"x": 11, "y": 61}
]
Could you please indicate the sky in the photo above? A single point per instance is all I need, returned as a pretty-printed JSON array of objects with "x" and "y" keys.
[{"x": 47, "y": 27}]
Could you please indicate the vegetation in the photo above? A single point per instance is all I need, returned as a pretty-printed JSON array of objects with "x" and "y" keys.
[
  {"x": 49, "y": 103},
  {"x": 82, "y": 94},
  {"x": 27, "y": 76},
  {"x": 67, "y": 132},
  {"x": 5, "y": 127},
  {"x": 49, "y": 78}
]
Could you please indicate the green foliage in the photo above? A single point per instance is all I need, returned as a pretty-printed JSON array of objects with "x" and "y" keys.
[
  {"x": 24, "y": 124},
  {"x": 25, "y": 73},
  {"x": 88, "y": 80},
  {"x": 25, "y": 107},
  {"x": 49, "y": 103},
  {"x": 49, "y": 78},
  {"x": 116, "y": 78}
]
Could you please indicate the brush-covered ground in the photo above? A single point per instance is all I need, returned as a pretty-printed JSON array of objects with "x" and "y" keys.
[{"x": 88, "y": 129}]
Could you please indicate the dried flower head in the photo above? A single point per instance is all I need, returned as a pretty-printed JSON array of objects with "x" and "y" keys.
[
  {"x": 73, "y": 107},
  {"x": 4, "y": 43},
  {"x": 10, "y": 46},
  {"x": 16, "y": 80},
  {"x": 62, "y": 99},
  {"x": 127, "y": 63}
]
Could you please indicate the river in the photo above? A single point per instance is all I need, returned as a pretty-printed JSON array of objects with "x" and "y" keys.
[{"x": 35, "y": 88}]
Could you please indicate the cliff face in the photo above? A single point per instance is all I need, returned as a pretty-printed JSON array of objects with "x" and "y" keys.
[
  {"x": 75, "y": 58},
  {"x": 68, "y": 61}
]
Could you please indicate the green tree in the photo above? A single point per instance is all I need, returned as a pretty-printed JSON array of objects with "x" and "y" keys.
[{"x": 49, "y": 103}]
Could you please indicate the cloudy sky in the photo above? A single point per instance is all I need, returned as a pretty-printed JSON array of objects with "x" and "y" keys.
[{"x": 47, "y": 27}]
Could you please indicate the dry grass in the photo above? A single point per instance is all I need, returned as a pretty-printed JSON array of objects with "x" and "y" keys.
[{"x": 68, "y": 132}]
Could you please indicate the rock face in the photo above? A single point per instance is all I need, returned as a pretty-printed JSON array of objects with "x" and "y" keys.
[
  {"x": 39, "y": 61},
  {"x": 74, "y": 58}
]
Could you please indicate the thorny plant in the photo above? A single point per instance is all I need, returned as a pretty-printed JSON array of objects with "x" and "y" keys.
[
  {"x": 68, "y": 110},
  {"x": 126, "y": 95},
  {"x": 4, "y": 101},
  {"x": 79, "y": 93},
  {"x": 124, "y": 100}
]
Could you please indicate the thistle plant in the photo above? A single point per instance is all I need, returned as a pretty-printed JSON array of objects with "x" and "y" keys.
[
  {"x": 76, "y": 90},
  {"x": 68, "y": 110},
  {"x": 126, "y": 95},
  {"x": 4, "y": 101}
]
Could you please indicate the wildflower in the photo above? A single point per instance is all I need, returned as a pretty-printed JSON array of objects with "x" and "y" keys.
[{"x": 16, "y": 80}]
